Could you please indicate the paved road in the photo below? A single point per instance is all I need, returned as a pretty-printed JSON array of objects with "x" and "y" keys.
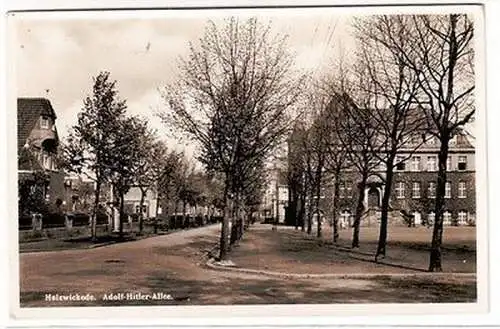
[{"x": 172, "y": 265}]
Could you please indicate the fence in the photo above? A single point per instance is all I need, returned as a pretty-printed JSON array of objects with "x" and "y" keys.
[{"x": 63, "y": 226}]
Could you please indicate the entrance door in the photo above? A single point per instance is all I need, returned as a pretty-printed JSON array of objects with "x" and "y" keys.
[{"x": 373, "y": 198}]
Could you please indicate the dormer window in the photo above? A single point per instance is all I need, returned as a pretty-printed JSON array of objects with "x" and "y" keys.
[
  {"x": 415, "y": 140},
  {"x": 44, "y": 122}
]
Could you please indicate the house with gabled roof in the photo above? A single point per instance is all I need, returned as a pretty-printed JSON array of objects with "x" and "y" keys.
[{"x": 37, "y": 146}]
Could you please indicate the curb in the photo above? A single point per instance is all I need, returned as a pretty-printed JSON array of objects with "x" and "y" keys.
[
  {"x": 211, "y": 264},
  {"x": 65, "y": 249}
]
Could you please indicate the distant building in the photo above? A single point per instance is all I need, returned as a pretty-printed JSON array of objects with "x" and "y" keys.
[
  {"x": 275, "y": 201},
  {"x": 80, "y": 194},
  {"x": 37, "y": 146},
  {"x": 132, "y": 200}
]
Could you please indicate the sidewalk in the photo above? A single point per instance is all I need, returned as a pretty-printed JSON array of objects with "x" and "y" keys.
[{"x": 289, "y": 251}]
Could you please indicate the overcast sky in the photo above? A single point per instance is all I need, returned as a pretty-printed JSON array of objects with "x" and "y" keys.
[
  {"x": 57, "y": 57},
  {"x": 57, "y": 53}
]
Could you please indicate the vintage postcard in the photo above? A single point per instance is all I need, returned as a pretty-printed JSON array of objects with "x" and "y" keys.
[{"x": 189, "y": 160}]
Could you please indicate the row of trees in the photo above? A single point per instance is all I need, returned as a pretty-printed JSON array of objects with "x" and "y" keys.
[
  {"x": 233, "y": 99},
  {"x": 413, "y": 75},
  {"x": 237, "y": 97},
  {"x": 115, "y": 149}
]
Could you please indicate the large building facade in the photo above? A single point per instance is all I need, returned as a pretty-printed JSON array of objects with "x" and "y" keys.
[{"x": 414, "y": 186}]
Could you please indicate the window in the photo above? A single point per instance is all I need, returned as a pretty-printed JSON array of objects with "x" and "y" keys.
[
  {"x": 430, "y": 218},
  {"x": 462, "y": 190},
  {"x": 400, "y": 190},
  {"x": 462, "y": 218},
  {"x": 348, "y": 188},
  {"x": 400, "y": 164},
  {"x": 447, "y": 190},
  {"x": 345, "y": 219},
  {"x": 432, "y": 190},
  {"x": 44, "y": 122},
  {"x": 46, "y": 161},
  {"x": 431, "y": 163},
  {"x": 342, "y": 190},
  {"x": 448, "y": 163},
  {"x": 416, "y": 190},
  {"x": 415, "y": 163},
  {"x": 137, "y": 207},
  {"x": 462, "y": 162},
  {"x": 447, "y": 218}
]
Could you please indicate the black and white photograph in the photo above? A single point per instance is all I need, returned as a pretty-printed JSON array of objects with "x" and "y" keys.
[{"x": 224, "y": 157}]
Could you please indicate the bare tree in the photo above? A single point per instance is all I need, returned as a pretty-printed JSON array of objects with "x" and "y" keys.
[
  {"x": 337, "y": 152},
  {"x": 442, "y": 56},
  {"x": 296, "y": 176},
  {"x": 356, "y": 130},
  {"x": 233, "y": 96},
  {"x": 315, "y": 146},
  {"x": 359, "y": 134},
  {"x": 390, "y": 94}
]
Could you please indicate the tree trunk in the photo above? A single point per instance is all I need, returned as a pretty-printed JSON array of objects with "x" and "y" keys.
[
  {"x": 174, "y": 217},
  {"x": 93, "y": 224},
  {"x": 223, "y": 244},
  {"x": 122, "y": 214},
  {"x": 302, "y": 211},
  {"x": 184, "y": 214},
  {"x": 382, "y": 241},
  {"x": 437, "y": 234},
  {"x": 210, "y": 213},
  {"x": 291, "y": 213},
  {"x": 156, "y": 212},
  {"x": 242, "y": 225},
  {"x": 235, "y": 219},
  {"x": 359, "y": 211},
  {"x": 318, "y": 195},
  {"x": 141, "y": 214},
  {"x": 310, "y": 207},
  {"x": 335, "y": 206}
]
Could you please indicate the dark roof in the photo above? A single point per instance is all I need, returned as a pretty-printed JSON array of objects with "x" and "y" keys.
[{"x": 29, "y": 111}]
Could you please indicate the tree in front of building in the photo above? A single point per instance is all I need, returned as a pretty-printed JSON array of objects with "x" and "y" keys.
[
  {"x": 149, "y": 153},
  {"x": 442, "y": 55},
  {"x": 390, "y": 94},
  {"x": 233, "y": 99},
  {"x": 88, "y": 147},
  {"x": 126, "y": 143}
]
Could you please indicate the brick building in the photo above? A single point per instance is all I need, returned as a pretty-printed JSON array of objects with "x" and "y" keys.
[
  {"x": 414, "y": 186},
  {"x": 37, "y": 146}
]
